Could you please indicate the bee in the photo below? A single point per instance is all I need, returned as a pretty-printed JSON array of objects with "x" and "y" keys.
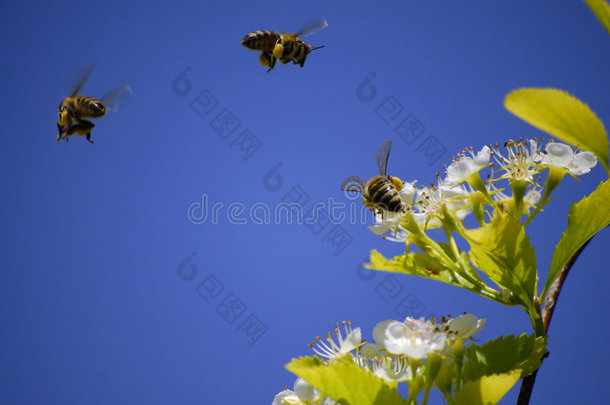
[
  {"x": 73, "y": 109},
  {"x": 286, "y": 46},
  {"x": 381, "y": 192}
]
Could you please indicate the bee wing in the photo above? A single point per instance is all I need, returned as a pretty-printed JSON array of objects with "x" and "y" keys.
[
  {"x": 312, "y": 29},
  {"x": 382, "y": 156},
  {"x": 84, "y": 75},
  {"x": 112, "y": 99},
  {"x": 353, "y": 183}
]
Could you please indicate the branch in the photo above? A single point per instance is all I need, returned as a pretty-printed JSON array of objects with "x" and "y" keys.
[{"x": 548, "y": 308}]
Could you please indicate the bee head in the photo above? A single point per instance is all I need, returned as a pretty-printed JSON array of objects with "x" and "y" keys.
[
  {"x": 249, "y": 41},
  {"x": 62, "y": 113}
]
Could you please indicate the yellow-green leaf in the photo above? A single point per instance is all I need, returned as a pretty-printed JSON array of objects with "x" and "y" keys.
[
  {"x": 502, "y": 250},
  {"x": 503, "y": 355},
  {"x": 601, "y": 9},
  {"x": 487, "y": 390},
  {"x": 345, "y": 382},
  {"x": 417, "y": 264},
  {"x": 561, "y": 115},
  {"x": 587, "y": 217}
]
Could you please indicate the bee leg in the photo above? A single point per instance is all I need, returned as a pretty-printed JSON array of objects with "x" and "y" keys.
[
  {"x": 60, "y": 131},
  {"x": 272, "y": 60},
  {"x": 69, "y": 127},
  {"x": 82, "y": 128},
  {"x": 368, "y": 204}
]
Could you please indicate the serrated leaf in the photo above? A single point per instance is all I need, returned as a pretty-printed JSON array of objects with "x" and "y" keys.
[
  {"x": 561, "y": 115},
  {"x": 416, "y": 264},
  {"x": 501, "y": 249},
  {"x": 601, "y": 9},
  {"x": 503, "y": 355},
  {"x": 587, "y": 217},
  {"x": 345, "y": 382},
  {"x": 487, "y": 390}
]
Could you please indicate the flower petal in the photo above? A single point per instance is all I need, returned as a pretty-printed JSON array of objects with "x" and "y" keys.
[
  {"x": 305, "y": 391},
  {"x": 558, "y": 154},
  {"x": 287, "y": 397},
  {"x": 466, "y": 325},
  {"x": 582, "y": 163}
]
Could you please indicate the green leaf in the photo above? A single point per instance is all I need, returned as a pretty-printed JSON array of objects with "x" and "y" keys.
[
  {"x": 601, "y": 9},
  {"x": 561, "y": 115},
  {"x": 416, "y": 264},
  {"x": 501, "y": 249},
  {"x": 586, "y": 218},
  {"x": 487, "y": 390},
  {"x": 345, "y": 382},
  {"x": 503, "y": 355}
]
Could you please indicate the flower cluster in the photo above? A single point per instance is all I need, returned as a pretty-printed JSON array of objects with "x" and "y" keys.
[
  {"x": 463, "y": 191},
  {"x": 416, "y": 338},
  {"x": 401, "y": 352}
]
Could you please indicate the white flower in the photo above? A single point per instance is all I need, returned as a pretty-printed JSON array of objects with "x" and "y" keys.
[
  {"x": 533, "y": 196},
  {"x": 407, "y": 193},
  {"x": 400, "y": 235},
  {"x": 430, "y": 202},
  {"x": 561, "y": 155},
  {"x": 332, "y": 350},
  {"x": 558, "y": 154},
  {"x": 287, "y": 397},
  {"x": 582, "y": 163},
  {"x": 384, "y": 221},
  {"x": 457, "y": 200},
  {"x": 395, "y": 232},
  {"x": 465, "y": 166},
  {"x": 393, "y": 369},
  {"x": 305, "y": 391},
  {"x": 372, "y": 351},
  {"x": 413, "y": 337},
  {"x": 466, "y": 325},
  {"x": 327, "y": 401},
  {"x": 521, "y": 162}
]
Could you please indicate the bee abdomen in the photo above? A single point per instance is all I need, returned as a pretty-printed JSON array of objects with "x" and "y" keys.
[
  {"x": 90, "y": 107},
  {"x": 291, "y": 50},
  {"x": 301, "y": 54},
  {"x": 383, "y": 193},
  {"x": 261, "y": 40}
]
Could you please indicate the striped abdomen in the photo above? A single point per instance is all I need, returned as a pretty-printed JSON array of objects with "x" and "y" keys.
[
  {"x": 381, "y": 191},
  {"x": 261, "y": 40},
  {"x": 89, "y": 107},
  {"x": 295, "y": 50}
]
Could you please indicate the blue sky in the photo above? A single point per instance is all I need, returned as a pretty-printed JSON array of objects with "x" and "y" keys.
[{"x": 103, "y": 298}]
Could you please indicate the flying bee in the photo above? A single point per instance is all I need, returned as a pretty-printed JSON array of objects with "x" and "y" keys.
[
  {"x": 73, "y": 109},
  {"x": 286, "y": 46},
  {"x": 381, "y": 192}
]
